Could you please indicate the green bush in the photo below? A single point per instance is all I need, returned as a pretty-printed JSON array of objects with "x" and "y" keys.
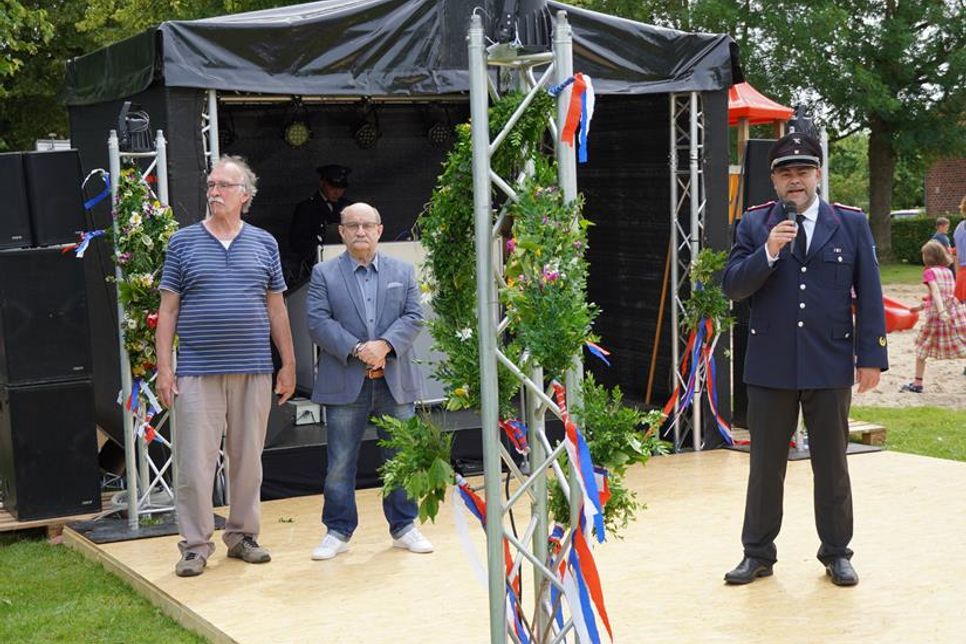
[{"x": 908, "y": 236}]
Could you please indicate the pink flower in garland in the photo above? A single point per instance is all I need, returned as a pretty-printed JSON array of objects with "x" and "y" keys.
[
  {"x": 511, "y": 245},
  {"x": 550, "y": 274}
]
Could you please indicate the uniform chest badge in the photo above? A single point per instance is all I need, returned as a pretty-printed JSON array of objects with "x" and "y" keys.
[{"x": 882, "y": 341}]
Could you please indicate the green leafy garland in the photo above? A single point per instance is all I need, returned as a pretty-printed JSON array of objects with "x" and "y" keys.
[
  {"x": 447, "y": 233},
  {"x": 144, "y": 227},
  {"x": 546, "y": 278},
  {"x": 707, "y": 300}
]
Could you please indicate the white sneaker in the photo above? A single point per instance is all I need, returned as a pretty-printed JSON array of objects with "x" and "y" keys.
[
  {"x": 413, "y": 541},
  {"x": 330, "y": 547}
]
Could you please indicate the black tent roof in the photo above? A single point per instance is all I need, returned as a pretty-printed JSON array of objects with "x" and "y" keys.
[{"x": 383, "y": 48}]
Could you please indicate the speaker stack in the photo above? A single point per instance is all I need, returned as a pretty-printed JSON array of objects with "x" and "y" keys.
[{"x": 48, "y": 442}]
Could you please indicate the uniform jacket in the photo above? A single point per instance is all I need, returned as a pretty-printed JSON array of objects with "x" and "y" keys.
[
  {"x": 802, "y": 333},
  {"x": 306, "y": 233},
  {"x": 336, "y": 316}
]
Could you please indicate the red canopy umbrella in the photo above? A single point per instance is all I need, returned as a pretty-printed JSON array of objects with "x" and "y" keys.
[{"x": 746, "y": 102}]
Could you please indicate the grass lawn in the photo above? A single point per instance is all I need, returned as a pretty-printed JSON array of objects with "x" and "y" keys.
[
  {"x": 51, "y": 593},
  {"x": 929, "y": 431},
  {"x": 900, "y": 273}
]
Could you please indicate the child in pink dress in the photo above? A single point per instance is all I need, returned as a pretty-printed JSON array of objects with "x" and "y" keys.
[{"x": 943, "y": 332}]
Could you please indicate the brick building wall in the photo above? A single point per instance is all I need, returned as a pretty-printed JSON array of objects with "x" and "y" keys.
[{"x": 945, "y": 186}]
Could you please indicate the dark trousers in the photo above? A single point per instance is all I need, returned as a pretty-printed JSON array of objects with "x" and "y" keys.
[{"x": 772, "y": 420}]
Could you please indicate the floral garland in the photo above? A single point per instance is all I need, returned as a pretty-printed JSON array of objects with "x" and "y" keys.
[
  {"x": 446, "y": 232},
  {"x": 143, "y": 228},
  {"x": 546, "y": 278}
]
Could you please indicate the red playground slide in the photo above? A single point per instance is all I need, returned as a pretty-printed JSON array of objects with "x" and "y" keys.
[{"x": 898, "y": 317}]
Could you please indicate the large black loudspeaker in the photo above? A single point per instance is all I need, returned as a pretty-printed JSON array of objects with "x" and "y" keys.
[
  {"x": 44, "y": 327},
  {"x": 14, "y": 211},
  {"x": 757, "y": 173},
  {"x": 48, "y": 450},
  {"x": 56, "y": 200}
]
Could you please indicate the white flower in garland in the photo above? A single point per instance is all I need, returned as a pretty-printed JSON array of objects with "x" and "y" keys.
[
  {"x": 464, "y": 334},
  {"x": 134, "y": 223}
]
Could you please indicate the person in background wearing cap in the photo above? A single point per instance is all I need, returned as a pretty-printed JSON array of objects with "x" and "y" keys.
[
  {"x": 800, "y": 261},
  {"x": 307, "y": 232}
]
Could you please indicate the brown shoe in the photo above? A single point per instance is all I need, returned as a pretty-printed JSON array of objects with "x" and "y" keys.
[
  {"x": 191, "y": 565},
  {"x": 248, "y": 550}
]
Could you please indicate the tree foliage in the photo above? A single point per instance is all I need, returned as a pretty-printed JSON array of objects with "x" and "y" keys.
[
  {"x": 894, "y": 69},
  {"x": 38, "y": 37}
]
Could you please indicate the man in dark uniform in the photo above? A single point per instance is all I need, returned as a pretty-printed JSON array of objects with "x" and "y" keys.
[
  {"x": 805, "y": 350},
  {"x": 307, "y": 232}
]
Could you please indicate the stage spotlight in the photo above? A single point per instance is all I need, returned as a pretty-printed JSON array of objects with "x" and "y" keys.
[
  {"x": 440, "y": 135},
  {"x": 296, "y": 131},
  {"x": 366, "y": 135},
  {"x": 366, "y": 132},
  {"x": 134, "y": 129}
]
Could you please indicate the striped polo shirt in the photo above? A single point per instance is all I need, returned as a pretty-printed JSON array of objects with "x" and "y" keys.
[{"x": 223, "y": 320}]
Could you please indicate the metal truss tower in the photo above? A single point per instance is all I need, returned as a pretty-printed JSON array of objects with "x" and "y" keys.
[
  {"x": 688, "y": 208},
  {"x": 531, "y": 548}
]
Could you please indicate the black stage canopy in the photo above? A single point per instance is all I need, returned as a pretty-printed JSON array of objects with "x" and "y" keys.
[{"x": 383, "y": 48}]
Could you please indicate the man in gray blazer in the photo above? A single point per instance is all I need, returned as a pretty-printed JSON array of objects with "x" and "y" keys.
[{"x": 364, "y": 314}]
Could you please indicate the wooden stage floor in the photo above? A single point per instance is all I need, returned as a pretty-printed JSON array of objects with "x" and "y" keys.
[{"x": 662, "y": 582}]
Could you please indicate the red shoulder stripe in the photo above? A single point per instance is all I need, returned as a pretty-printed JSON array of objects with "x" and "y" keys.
[{"x": 843, "y": 206}]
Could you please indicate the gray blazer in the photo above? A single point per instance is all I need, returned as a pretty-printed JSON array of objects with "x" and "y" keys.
[{"x": 337, "y": 322}]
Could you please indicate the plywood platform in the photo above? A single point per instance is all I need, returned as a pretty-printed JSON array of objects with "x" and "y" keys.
[
  {"x": 54, "y": 525},
  {"x": 663, "y": 581}
]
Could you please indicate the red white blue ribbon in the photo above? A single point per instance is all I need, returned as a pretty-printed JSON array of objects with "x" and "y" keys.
[
  {"x": 516, "y": 431},
  {"x": 579, "y": 454},
  {"x": 80, "y": 247},
  {"x": 699, "y": 351},
  {"x": 477, "y": 507},
  {"x": 598, "y": 351},
  {"x": 580, "y": 112}
]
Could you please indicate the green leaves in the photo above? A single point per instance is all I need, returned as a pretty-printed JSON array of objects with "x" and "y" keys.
[
  {"x": 420, "y": 464},
  {"x": 707, "y": 300}
]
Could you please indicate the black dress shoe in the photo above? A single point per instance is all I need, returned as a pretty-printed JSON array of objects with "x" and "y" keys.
[
  {"x": 747, "y": 571},
  {"x": 842, "y": 572}
]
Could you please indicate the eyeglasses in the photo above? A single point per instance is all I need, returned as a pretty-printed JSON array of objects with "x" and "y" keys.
[
  {"x": 364, "y": 225},
  {"x": 222, "y": 185}
]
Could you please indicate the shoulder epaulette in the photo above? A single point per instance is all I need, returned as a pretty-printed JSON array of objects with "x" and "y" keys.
[
  {"x": 844, "y": 207},
  {"x": 767, "y": 204}
]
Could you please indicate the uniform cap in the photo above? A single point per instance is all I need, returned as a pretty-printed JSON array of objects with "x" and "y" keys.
[
  {"x": 337, "y": 175},
  {"x": 796, "y": 149}
]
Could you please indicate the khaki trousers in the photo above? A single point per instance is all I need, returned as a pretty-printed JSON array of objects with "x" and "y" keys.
[{"x": 206, "y": 407}]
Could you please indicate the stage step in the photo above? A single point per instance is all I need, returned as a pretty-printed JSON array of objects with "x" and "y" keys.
[{"x": 868, "y": 433}]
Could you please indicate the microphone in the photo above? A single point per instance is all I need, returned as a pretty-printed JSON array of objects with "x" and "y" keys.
[{"x": 791, "y": 211}]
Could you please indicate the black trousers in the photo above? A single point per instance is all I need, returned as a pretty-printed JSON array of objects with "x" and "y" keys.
[{"x": 772, "y": 420}]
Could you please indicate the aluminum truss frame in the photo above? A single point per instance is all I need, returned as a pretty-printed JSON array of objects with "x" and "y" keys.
[
  {"x": 143, "y": 475},
  {"x": 688, "y": 209},
  {"x": 532, "y": 548}
]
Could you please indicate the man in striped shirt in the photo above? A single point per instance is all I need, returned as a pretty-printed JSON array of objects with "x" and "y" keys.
[{"x": 221, "y": 291}]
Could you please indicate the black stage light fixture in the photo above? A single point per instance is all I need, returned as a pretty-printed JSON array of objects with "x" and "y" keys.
[
  {"x": 441, "y": 131},
  {"x": 366, "y": 132},
  {"x": 296, "y": 131},
  {"x": 134, "y": 129}
]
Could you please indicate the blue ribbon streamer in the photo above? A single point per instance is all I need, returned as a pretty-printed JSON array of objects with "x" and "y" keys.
[
  {"x": 582, "y": 135},
  {"x": 102, "y": 195},
  {"x": 554, "y": 90}
]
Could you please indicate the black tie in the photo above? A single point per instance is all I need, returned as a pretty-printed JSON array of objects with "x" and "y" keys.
[{"x": 800, "y": 240}]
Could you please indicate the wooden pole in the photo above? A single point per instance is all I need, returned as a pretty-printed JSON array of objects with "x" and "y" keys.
[{"x": 658, "y": 328}]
